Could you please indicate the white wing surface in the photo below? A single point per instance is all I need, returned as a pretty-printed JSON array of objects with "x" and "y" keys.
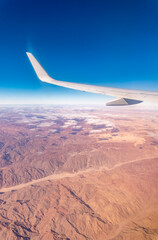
[{"x": 124, "y": 96}]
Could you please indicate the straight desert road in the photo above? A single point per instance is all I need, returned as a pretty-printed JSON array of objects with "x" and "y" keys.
[{"x": 63, "y": 175}]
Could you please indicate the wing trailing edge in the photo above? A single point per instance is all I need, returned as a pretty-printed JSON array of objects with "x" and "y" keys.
[{"x": 123, "y": 102}]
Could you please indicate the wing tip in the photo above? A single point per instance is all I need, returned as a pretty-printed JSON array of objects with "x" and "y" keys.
[
  {"x": 40, "y": 72},
  {"x": 28, "y": 54}
]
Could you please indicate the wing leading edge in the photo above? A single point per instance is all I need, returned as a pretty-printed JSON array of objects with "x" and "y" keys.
[{"x": 125, "y": 96}]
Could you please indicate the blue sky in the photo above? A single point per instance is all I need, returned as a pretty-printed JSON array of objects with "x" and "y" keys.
[{"x": 109, "y": 43}]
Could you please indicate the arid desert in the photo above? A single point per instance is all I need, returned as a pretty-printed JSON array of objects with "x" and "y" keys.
[{"x": 78, "y": 172}]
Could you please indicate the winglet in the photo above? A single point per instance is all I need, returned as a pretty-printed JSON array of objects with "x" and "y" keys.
[{"x": 41, "y": 73}]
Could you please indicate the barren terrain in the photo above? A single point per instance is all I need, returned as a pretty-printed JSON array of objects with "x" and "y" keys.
[{"x": 78, "y": 173}]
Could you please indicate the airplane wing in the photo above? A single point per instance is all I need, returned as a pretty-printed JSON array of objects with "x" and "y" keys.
[{"x": 124, "y": 96}]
